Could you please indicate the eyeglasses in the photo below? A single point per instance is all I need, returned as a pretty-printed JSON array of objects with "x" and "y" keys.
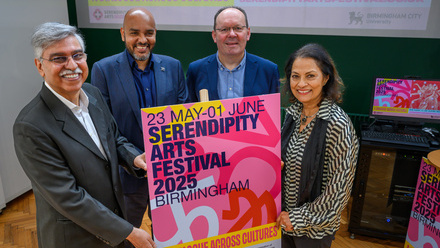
[
  {"x": 77, "y": 57},
  {"x": 237, "y": 29}
]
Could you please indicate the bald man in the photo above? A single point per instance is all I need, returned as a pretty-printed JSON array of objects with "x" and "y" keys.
[
  {"x": 135, "y": 79},
  {"x": 232, "y": 72}
]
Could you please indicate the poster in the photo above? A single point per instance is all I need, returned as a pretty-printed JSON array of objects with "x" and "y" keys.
[
  {"x": 424, "y": 223},
  {"x": 214, "y": 172}
]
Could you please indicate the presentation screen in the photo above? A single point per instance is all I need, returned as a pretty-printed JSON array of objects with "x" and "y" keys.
[
  {"x": 407, "y": 100},
  {"x": 393, "y": 18}
]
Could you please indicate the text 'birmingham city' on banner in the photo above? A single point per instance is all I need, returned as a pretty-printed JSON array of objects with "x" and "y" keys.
[{"x": 214, "y": 172}]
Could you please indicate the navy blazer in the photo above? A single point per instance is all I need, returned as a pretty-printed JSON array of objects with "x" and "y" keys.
[
  {"x": 77, "y": 190},
  {"x": 114, "y": 78},
  {"x": 261, "y": 76}
]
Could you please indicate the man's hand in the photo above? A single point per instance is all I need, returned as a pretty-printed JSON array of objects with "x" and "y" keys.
[
  {"x": 140, "y": 162},
  {"x": 140, "y": 238}
]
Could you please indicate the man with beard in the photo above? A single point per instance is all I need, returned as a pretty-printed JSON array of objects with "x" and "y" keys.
[
  {"x": 135, "y": 79},
  {"x": 232, "y": 72},
  {"x": 70, "y": 148}
]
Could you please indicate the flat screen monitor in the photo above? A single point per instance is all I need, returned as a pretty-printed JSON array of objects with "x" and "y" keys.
[{"x": 414, "y": 101}]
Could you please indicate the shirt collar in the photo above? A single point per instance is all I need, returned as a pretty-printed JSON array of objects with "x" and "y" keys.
[
  {"x": 134, "y": 65},
  {"x": 239, "y": 66},
  {"x": 83, "y": 99}
]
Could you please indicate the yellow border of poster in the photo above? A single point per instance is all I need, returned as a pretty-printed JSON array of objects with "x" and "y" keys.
[{"x": 242, "y": 238}]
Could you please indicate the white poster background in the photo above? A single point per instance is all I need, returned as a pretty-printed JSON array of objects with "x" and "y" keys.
[{"x": 390, "y": 18}]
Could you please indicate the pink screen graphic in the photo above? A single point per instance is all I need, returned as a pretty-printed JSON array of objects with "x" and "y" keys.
[{"x": 411, "y": 99}]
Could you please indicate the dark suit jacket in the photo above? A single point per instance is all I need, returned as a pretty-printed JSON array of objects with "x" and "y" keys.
[
  {"x": 261, "y": 76},
  {"x": 77, "y": 191},
  {"x": 114, "y": 78}
]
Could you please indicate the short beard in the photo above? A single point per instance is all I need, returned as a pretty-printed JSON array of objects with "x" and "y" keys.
[
  {"x": 141, "y": 58},
  {"x": 137, "y": 58}
]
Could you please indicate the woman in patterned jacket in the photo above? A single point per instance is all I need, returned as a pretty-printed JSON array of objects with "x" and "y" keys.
[{"x": 319, "y": 151}]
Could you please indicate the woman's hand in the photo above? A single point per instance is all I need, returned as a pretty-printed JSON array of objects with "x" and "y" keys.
[{"x": 283, "y": 221}]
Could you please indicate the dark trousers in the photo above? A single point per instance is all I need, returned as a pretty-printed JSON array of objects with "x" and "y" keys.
[
  {"x": 136, "y": 204},
  {"x": 288, "y": 241}
]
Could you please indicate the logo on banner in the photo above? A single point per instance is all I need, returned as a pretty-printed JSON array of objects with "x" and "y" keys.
[
  {"x": 97, "y": 14},
  {"x": 355, "y": 17}
]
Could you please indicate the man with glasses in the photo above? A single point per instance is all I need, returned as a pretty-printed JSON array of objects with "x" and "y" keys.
[
  {"x": 70, "y": 148},
  {"x": 232, "y": 72},
  {"x": 135, "y": 79}
]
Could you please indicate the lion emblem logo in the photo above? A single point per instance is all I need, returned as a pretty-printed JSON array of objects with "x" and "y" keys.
[{"x": 356, "y": 17}]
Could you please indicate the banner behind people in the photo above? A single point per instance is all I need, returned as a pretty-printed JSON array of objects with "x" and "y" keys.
[
  {"x": 390, "y": 18},
  {"x": 214, "y": 172}
]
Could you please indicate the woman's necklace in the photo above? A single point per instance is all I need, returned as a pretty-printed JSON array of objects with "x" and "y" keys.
[{"x": 305, "y": 117}]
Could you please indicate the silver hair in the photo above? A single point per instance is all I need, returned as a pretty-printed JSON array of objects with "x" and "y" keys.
[{"x": 49, "y": 33}]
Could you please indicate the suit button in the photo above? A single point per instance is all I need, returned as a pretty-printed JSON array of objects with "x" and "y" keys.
[
  {"x": 107, "y": 167},
  {"x": 116, "y": 211},
  {"x": 115, "y": 189}
]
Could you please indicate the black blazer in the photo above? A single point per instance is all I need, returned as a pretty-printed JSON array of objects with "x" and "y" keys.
[{"x": 77, "y": 191}]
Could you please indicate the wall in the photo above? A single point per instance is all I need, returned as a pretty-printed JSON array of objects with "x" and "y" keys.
[
  {"x": 358, "y": 59},
  {"x": 20, "y": 80}
]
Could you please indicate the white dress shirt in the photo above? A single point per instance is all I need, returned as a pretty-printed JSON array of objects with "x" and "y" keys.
[{"x": 81, "y": 112}]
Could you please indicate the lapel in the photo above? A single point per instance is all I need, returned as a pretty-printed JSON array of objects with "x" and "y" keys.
[
  {"x": 160, "y": 78},
  {"x": 70, "y": 124},
  {"x": 250, "y": 74},
  {"x": 211, "y": 70},
  {"x": 100, "y": 123},
  {"x": 286, "y": 133},
  {"x": 123, "y": 70}
]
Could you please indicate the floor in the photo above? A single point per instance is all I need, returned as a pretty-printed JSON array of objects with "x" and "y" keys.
[{"x": 18, "y": 228}]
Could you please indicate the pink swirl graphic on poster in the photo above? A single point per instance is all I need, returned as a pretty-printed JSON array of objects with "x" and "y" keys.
[
  {"x": 392, "y": 93},
  {"x": 214, "y": 172}
]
